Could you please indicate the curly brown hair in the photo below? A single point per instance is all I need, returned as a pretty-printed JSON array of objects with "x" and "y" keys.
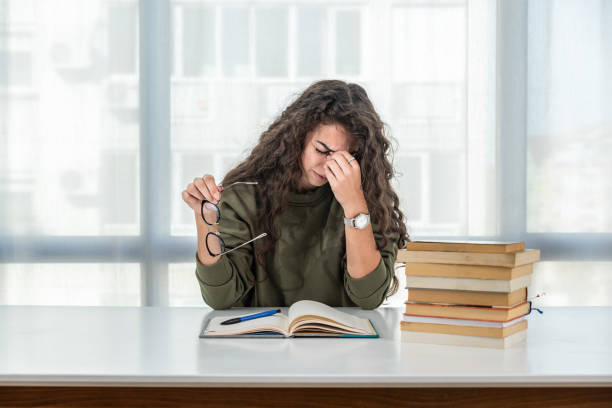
[{"x": 275, "y": 161}]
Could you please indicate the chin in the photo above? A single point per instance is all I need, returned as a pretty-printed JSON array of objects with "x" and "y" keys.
[{"x": 313, "y": 181}]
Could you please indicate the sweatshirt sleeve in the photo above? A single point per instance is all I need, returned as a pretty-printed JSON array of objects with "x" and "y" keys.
[
  {"x": 369, "y": 291},
  {"x": 227, "y": 283}
]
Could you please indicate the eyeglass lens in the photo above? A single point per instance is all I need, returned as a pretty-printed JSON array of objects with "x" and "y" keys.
[
  {"x": 210, "y": 213},
  {"x": 215, "y": 244}
]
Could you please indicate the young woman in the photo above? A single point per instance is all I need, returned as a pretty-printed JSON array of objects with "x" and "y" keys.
[{"x": 313, "y": 203}]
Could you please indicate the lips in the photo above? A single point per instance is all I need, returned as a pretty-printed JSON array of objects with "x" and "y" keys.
[{"x": 319, "y": 176}]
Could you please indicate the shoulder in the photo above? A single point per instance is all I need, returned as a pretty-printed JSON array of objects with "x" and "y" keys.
[{"x": 240, "y": 198}]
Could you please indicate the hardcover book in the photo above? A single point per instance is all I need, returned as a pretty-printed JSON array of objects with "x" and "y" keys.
[
  {"x": 460, "y": 340},
  {"x": 498, "y": 247},
  {"x": 464, "y": 297},
  {"x": 474, "y": 329},
  {"x": 510, "y": 260},
  {"x": 467, "y": 271},
  {"x": 494, "y": 314},
  {"x": 466, "y": 284}
]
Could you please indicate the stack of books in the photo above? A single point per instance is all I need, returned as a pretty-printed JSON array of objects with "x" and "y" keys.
[{"x": 467, "y": 293}]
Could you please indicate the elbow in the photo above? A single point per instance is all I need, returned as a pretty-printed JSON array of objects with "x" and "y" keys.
[
  {"x": 219, "y": 297},
  {"x": 371, "y": 304},
  {"x": 216, "y": 302},
  {"x": 217, "y": 305}
]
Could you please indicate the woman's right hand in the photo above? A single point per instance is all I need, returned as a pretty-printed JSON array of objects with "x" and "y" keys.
[{"x": 202, "y": 188}]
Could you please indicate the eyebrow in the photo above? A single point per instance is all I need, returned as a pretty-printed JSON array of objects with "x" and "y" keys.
[{"x": 326, "y": 146}]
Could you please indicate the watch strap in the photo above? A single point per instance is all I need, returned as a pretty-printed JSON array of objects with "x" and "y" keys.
[
  {"x": 352, "y": 222},
  {"x": 349, "y": 221}
]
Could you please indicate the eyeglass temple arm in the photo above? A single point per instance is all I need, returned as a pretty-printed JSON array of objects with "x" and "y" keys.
[{"x": 241, "y": 245}]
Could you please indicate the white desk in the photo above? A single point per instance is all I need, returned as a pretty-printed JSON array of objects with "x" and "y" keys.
[{"x": 159, "y": 347}]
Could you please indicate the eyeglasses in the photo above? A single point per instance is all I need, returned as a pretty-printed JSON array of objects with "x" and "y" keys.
[{"x": 211, "y": 216}]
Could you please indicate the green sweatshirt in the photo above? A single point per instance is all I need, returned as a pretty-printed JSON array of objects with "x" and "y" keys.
[{"x": 306, "y": 262}]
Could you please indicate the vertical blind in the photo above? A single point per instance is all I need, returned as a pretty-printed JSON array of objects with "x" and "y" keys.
[{"x": 109, "y": 108}]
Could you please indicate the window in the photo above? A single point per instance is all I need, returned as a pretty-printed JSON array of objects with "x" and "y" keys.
[
  {"x": 569, "y": 141},
  {"x": 501, "y": 134},
  {"x": 198, "y": 34},
  {"x": 310, "y": 31},
  {"x": 271, "y": 48},
  {"x": 348, "y": 42},
  {"x": 69, "y": 150},
  {"x": 235, "y": 41}
]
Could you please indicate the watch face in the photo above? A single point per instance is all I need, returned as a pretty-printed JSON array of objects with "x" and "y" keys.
[{"x": 361, "y": 221}]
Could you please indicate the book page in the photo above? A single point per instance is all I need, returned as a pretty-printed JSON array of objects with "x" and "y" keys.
[
  {"x": 277, "y": 323},
  {"x": 318, "y": 325},
  {"x": 318, "y": 309}
]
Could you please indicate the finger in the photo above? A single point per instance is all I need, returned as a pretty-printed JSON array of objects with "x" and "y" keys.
[
  {"x": 342, "y": 162},
  {"x": 212, "y": 186},
  {"x": 334, "y": 168},
  {"x": 195, "y": 192},
  {"x": 201, "y": 186},
  {"x": 331, "y": 179},
  {"x": 191, "y": 201},
  {"x": 347, "y": 158}
]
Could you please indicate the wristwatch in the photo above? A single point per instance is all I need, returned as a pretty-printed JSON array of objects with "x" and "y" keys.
[{"x": 360, "y": 221}]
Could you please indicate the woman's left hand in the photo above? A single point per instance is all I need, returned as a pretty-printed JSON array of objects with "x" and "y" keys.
[{"x": 344, "y": 176}]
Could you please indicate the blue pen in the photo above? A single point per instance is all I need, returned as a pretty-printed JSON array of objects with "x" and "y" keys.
[{"x": 249, "y": 317}]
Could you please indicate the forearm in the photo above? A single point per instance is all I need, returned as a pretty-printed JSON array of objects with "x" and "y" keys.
[
  {"x": 202, "y": 230},
  {"x": 222, "y": 278},
  {"x": 369, "y": 271},
  {"x": 362, "y": 256}
]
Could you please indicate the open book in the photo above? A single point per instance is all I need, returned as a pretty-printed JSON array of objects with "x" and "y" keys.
[{"x": 305, "y": 318}]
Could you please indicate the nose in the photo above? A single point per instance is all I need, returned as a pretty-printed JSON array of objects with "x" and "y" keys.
[
  {"x": 322, "y": 159},
  {"x": 319, "y": 166}
]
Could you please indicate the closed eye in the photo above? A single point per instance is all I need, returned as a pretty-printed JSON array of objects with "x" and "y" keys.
[{"x": 323, "y": 152}]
